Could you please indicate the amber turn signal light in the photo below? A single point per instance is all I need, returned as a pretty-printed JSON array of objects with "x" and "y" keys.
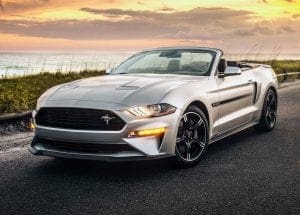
[{"x": 147, "y": 132}]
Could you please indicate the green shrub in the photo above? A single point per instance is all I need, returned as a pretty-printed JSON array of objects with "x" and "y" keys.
[
  {"x": 20, "y": 94},
  {"x": 282, "y": 66}
]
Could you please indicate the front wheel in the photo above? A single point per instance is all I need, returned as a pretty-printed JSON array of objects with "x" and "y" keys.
[
  {"x": 269, "y": 112},
  {"x": 192, "y": 137}
]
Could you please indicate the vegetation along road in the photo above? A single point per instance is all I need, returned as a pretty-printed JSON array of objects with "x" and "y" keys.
[{"x": 20, "y": 94}]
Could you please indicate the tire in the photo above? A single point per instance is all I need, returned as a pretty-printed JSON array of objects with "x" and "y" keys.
[
  {"x": 269, "y": 112},
  {"x": 192, "y": 137}
]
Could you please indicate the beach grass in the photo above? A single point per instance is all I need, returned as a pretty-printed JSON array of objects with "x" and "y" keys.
[
  {"x": 283, "y": 66},
  {"x": 21, "y": 93}
]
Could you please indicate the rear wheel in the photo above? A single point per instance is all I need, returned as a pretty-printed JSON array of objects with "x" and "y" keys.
[
  {"x": 192, "y": 137},
  {"x": 269, "y": 113}
]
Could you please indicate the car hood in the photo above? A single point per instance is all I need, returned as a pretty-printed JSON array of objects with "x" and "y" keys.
[{"x": 122, "y": 89}]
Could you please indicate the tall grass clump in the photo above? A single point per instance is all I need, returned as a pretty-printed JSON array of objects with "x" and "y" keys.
[
  {"x": 21, "y": 93},
  {"x": 283, "y": 66}
]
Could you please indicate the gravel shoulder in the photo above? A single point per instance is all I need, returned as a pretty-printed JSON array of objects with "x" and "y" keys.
[{"x": 8, "y": 141}]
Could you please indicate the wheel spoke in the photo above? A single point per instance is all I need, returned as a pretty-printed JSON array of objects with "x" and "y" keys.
[
  {"x": 185, "y": 119},
  {"x": 197, "y": 124},
  {"x": 269, "y": 118},
  {"x": 186, "y": 122},
  {"x": 268, "y": 101},
  {"x": 200, "y": 143},
  {"x": 179, "y": 139},
  {"x": 267, "y": 112},
  {"x": 188, "y": 152},
  {"x": 272, "y": 100}
]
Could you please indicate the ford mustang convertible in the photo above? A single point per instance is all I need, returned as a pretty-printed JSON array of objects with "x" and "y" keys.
[{"x": 165, "y": 102}]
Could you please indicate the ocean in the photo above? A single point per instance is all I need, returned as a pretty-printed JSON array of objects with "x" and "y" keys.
[{"x": 25, "y": 63}]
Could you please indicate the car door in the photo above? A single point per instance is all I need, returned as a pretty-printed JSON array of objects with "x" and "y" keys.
[{"x": 236, "y": 98}]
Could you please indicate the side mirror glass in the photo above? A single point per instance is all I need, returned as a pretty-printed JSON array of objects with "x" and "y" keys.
[
  {"x": 109, "y": 70},
  {"x": 230, "y": 71},
  {"x": 221, "y": 67}
]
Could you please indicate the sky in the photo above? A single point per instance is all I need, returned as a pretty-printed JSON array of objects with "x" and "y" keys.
[{"x": 235, "y": 26}]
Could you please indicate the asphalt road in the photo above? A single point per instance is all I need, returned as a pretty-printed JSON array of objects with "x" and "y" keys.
[{"x": 248, "y": 173}]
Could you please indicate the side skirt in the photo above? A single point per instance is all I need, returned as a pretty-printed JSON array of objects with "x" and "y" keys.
[{"x": 231, "y": 132}]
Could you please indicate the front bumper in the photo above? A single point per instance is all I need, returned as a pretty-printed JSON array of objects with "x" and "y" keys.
[
  {"x": 39, "y": 149},
  {"x": 139, "y": 148}
]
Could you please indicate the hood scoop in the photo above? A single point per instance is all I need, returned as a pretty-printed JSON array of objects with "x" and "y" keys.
[{"x": 127, "y": 87}]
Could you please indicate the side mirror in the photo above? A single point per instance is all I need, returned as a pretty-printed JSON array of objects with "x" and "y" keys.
[
  {"x": 109, "y": 70},
  {"x": 231, "y": 70},
  {"x": 221, "y": 67}
]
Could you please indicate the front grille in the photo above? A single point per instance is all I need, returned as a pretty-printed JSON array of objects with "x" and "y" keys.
[
  {"x": 83, "y": 147},
  {"x": 79, "y": 118}
]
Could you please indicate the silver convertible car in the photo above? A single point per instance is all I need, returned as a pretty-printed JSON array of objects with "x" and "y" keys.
[{"x": 158, "y": 103}]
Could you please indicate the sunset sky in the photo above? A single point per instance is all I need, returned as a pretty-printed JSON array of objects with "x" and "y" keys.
[{"x": 89, "y": 25}]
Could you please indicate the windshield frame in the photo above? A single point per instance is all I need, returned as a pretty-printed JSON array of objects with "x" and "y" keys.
[{"x": 192, "y": 50}]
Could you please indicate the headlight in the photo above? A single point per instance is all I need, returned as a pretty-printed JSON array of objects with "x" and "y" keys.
[{"x": 152, "y": 110}]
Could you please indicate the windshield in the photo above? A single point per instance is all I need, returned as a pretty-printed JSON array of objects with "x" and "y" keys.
[{"x": 171, "y": 61}]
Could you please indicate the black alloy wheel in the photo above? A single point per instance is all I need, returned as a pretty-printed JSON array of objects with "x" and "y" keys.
[{"x": 192, "y": 137}]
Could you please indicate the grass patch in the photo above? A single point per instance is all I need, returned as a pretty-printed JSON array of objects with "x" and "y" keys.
[
  {"x": 21, "y": 93},
  {"x": 282, "y": 66}
]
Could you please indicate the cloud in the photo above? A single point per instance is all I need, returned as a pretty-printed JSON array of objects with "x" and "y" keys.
[
  {"x": 267, "y": 2},
  {"x": 117, "y": 12},
  {"x": 13, "y": 6},
  {"x": 1, "y": 6},
  {"x": 198, "y": 23},
  {"x": 196, "y": 16},
  {"x": 287, "y": 28},
  {"x": 244, "y": 32},
  {"x": 85, "y": 30},
  {"x": 263, "y": 1},
  {"x": 296, "y": 15},
  {"x": 166, "y": 9},
  {"x": 222, "y": 27},
  {"x": 263, "y": 30},
  {"x": 16, "y": 5}
]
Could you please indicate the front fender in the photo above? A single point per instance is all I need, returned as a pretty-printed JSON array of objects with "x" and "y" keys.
[{"x": 204, "y": 92}]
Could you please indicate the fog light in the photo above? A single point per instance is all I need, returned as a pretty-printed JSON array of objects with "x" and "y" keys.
[
  {"x": 147, "y": 132},
  {"x": 31, "y": 126}
]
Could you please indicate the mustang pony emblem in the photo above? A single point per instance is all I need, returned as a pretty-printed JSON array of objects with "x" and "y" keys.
[{"x": 107, "y": 118}]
